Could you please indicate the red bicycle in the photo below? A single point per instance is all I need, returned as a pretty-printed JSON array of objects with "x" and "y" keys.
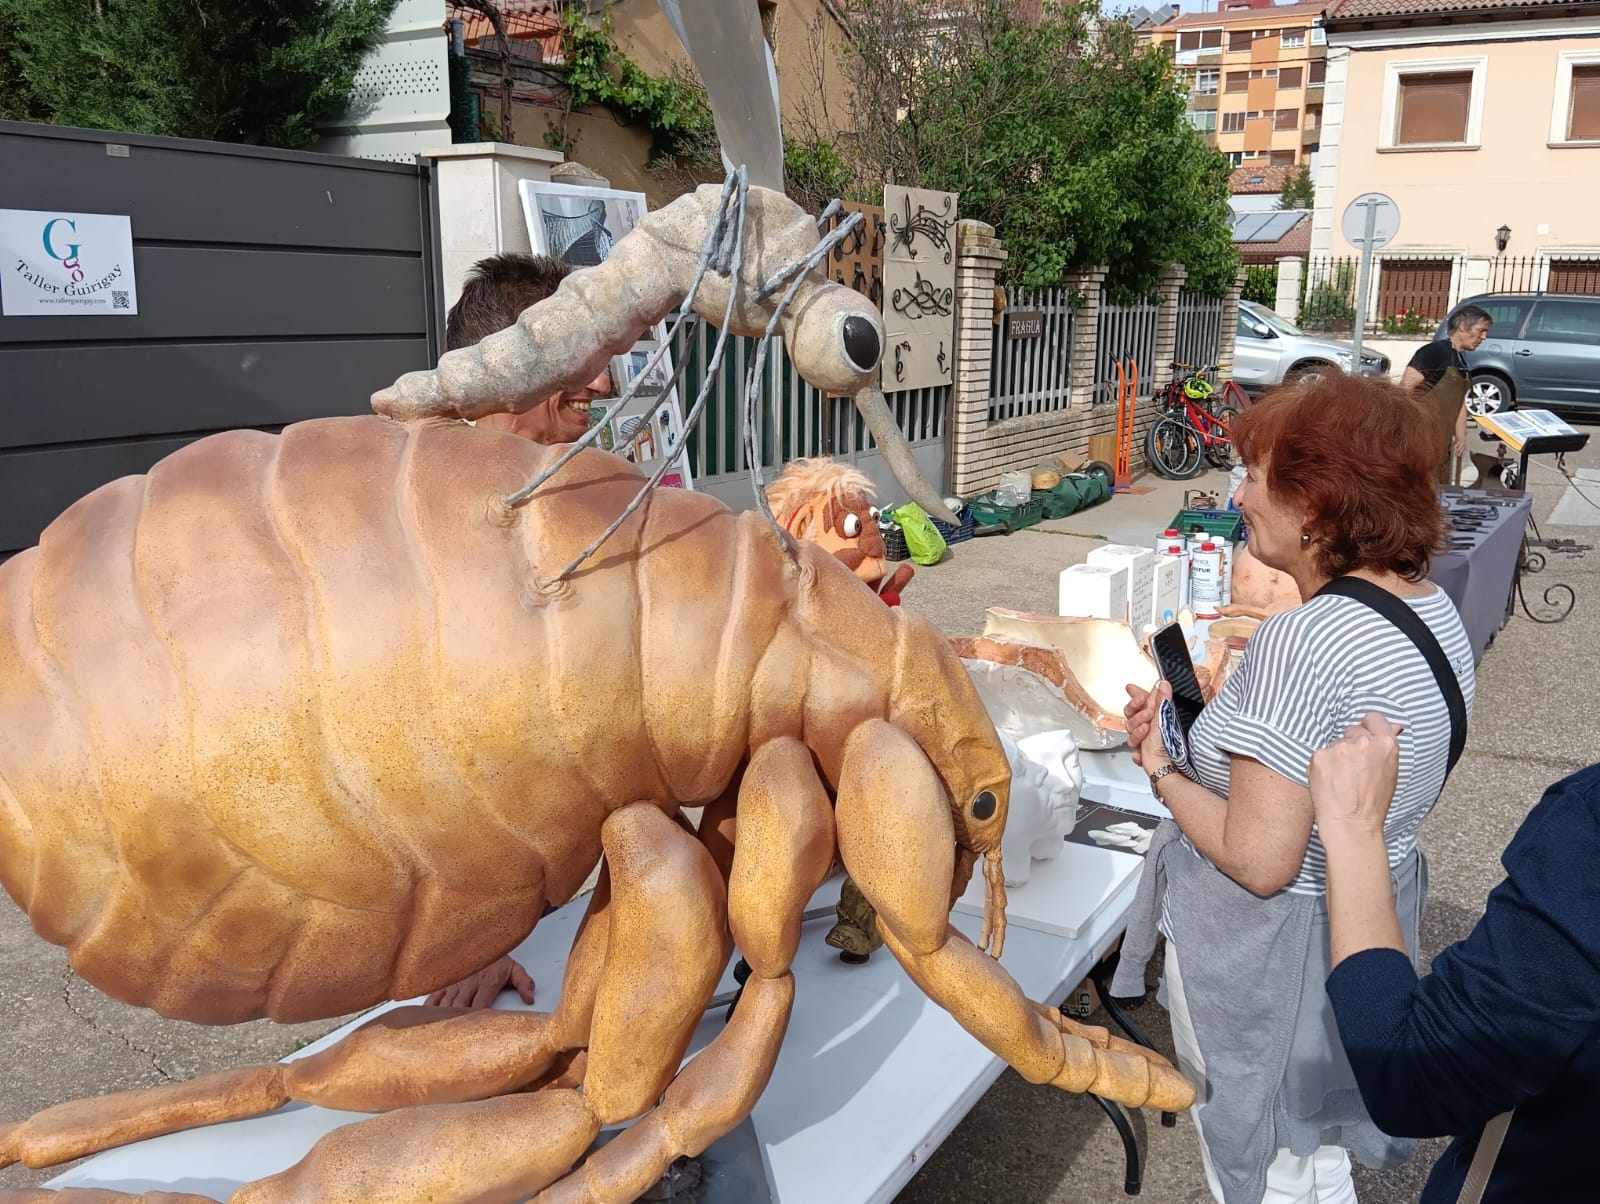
[{"x": 1193, "y": 428}]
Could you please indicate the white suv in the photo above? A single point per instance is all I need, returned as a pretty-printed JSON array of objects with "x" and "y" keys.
[{"x": 1271, "y": 349}]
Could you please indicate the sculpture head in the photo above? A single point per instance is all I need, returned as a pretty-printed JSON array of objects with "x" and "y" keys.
[
  {"x": 830, "y": 504},
  {"x": 934, "y": 701}
]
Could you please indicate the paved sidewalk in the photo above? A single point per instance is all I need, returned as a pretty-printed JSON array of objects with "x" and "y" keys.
[{"x": 60, "y": 1039}]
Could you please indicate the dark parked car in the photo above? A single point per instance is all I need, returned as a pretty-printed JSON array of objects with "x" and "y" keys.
[{"x": 1543, "y": 349}]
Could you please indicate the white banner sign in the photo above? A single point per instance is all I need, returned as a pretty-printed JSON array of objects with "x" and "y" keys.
[{"x": 66, "y": 263}]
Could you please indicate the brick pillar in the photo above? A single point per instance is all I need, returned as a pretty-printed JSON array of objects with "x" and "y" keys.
[
  {"x": 979, "y": 257},
  {"x": 1166, "y": 329},
  {"x": 1084, "y": 372},
  {"x": 1291, "y": 272},
  {"x": 1230, "y": 327}
]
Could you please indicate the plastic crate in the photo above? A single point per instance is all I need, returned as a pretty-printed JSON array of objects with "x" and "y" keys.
[
  {"x": 990, "y": 513},
  {"x": 956, "y": 534},
  {"x": 894, "y": 541},
  {"x": 1225, "y": 524}
]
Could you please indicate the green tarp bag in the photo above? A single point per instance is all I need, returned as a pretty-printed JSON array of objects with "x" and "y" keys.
[
  {"x": 923, "y": 540},
  {"x": 1076, "y": 492}
]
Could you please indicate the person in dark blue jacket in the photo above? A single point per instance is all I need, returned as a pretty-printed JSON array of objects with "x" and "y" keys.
[{"x": 1508, "y": 1020}]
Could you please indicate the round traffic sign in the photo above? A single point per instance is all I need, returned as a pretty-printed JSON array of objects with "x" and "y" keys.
[{"x": 1386, "y": 223}]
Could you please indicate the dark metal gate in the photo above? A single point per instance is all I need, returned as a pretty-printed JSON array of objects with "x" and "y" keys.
[{"x": 274, "y": 286}]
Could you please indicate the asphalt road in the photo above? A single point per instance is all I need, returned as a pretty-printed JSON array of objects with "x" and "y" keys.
[{"x": 60, "y": 1039}]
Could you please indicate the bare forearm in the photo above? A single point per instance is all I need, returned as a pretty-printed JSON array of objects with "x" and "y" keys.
[
  {"x": 1361, "y": 912},
  {"x": 1202, "y": 816}
]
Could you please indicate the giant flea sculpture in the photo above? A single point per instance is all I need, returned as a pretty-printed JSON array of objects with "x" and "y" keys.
[{"x": 296, "y": 724}]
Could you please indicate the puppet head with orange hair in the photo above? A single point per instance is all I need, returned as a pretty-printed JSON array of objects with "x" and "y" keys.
[{"x": 831, "y": 505}]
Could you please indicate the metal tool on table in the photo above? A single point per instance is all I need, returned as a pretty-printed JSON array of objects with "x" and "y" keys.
[{"x": 1127, "y": 369}]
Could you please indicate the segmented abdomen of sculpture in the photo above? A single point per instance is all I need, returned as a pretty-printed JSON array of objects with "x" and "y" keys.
[{"x": 288, "y": 729}]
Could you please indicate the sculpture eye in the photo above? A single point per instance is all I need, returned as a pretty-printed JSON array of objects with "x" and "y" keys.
[
  {"x": 874, "y": 511},
  {"x": 861, "y": 343},
  {"x": 983, "y": 806},
  {"x": 852, "y": 526}
]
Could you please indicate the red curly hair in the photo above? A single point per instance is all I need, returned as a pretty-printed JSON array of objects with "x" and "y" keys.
[{"x": 1360, "y": 454}]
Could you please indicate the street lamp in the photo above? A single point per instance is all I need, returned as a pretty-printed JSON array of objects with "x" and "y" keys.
[{"x": 1501, "y": 237}]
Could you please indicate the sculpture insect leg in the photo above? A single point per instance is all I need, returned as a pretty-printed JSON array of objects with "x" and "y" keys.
[
  {"x": 403, "y": 1058},
  {"x": 785, "y": 848},
  {"x": 898, "y": 842},
  {"x": 664, "y": 949}
]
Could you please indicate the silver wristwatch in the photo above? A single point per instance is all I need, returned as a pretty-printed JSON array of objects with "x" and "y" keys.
[{"x": 1169, "y": 767}]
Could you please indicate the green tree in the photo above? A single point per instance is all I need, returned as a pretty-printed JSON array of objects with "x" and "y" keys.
[
  {"x": 1064, "y": 134},
  {"x": 227, "y": 70},
  {"x": 1298, "y": 191}
]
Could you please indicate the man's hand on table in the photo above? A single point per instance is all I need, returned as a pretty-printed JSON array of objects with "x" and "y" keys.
[{"x": 480, "y": 990}]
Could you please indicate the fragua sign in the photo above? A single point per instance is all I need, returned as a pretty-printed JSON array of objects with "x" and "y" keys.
[
  {"x": 1024, "y": 324},
  {"x": 66, "y": 263}
]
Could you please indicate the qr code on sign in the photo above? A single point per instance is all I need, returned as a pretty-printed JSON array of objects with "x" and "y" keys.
[{"x": 119, "y": 299}]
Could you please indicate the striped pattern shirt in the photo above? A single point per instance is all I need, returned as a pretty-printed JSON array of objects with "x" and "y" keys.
[{"x": 1310, "y": 673}]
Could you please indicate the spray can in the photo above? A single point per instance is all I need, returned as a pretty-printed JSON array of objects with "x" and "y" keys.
[
  {"x": 1178, "y": 552},
  {"x": 1205, "y": 577}
]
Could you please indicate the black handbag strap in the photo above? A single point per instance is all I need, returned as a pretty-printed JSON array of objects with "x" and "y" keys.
[{"x": 1406, "y": 619}]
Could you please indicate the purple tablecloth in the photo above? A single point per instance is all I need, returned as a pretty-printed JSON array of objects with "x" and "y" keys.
[{"x": 1479, "y": 578}]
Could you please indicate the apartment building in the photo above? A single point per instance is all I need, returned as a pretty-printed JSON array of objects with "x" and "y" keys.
[{"x": 1256, "y": 73}]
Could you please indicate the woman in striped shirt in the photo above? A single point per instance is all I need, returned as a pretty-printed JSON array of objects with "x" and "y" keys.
[{"x": 1340, "y": 486}]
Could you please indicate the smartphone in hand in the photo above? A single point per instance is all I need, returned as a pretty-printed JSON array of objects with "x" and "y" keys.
[{"x": 1171, "y": 654}]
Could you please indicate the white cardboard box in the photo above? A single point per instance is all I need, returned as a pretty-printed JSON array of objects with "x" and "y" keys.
[
  {"x": 1166, "y": 594},
  {"x": 1094, "y": 591},
  {"x": 1141, "y": 566}
]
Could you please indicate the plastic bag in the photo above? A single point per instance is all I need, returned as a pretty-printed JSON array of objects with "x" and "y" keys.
[
  {"x": 922, "y": 538},
  {"x": 1016, "y": 489}
]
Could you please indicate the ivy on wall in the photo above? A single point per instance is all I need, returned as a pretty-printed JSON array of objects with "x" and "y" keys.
[{"x": 673, "y": 109}]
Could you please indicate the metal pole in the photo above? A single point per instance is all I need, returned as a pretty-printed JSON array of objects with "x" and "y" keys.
[{"x": 1363, "y": 276}]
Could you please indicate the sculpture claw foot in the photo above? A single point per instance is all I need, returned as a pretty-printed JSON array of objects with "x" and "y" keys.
[{"x": 856, "y": 934}]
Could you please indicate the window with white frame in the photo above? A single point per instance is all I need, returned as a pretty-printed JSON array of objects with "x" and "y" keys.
[
  {"x": 1206, "y": 81},
  {"x": 1432, "y": 104},
  {"x": 1204, "y": 120},
  {"x": 1233, "y": 123},
  {"x": 1319, "y": 36},
  {"x": 1293, "y": 38},
  {"x": 1575, "y": 117}
]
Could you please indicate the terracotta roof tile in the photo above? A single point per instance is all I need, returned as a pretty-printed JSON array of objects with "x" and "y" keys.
[
  {"x": 1348, "y": 11},
  {"x": 1271, "y": 13},
  {"x": 1255, "y": 178}
]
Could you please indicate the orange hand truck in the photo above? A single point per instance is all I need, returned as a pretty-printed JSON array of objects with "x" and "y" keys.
[{"x": 1127, "y": 391}]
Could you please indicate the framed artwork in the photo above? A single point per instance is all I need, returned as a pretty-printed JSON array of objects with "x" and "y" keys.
[{"x": 579, "y": 224}]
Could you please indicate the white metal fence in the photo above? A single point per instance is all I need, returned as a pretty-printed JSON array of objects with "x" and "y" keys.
[
  {"x": 1126, "y": 331},
  {"x": 1199, "y": 333},
  {"x": 793, "y": 419},
  {"x": 1032, "y": 374}
]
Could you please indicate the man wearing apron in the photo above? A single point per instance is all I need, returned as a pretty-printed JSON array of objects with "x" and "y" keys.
[{"x": 1440, "y": 368}]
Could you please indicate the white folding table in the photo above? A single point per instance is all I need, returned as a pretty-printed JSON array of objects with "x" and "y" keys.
[{"x": 871, "y": 1079}]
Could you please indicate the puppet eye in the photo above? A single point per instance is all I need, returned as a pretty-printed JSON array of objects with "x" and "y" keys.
[
  {"x": 874, "y": 511},
  {"x": 852, "y": 526}
]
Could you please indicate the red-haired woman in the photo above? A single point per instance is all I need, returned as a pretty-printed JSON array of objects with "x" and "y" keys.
[{"x": 1340, "y": 496}]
